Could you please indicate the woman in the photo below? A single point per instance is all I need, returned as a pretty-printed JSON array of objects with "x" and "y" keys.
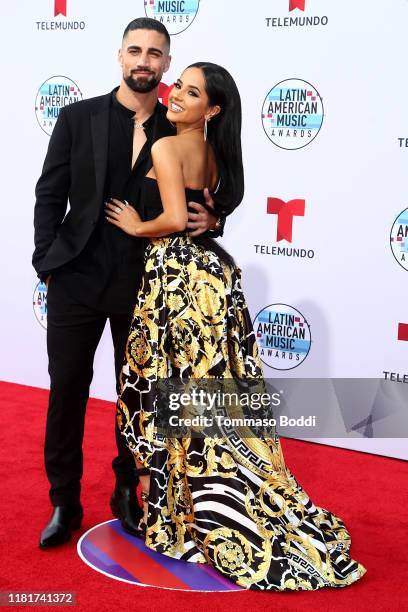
[{"x": 228, "y": 501}]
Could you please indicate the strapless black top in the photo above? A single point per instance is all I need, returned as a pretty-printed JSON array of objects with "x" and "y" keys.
[
  {"x": 153, "y": 207},
  {"x": 152, "y": 204}
]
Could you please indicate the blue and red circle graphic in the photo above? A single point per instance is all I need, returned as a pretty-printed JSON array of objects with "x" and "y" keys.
[{"x": 108, "y": 549}]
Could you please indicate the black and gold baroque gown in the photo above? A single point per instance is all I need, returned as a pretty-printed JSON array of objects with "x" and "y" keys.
[{"x": 233, "y": 505}]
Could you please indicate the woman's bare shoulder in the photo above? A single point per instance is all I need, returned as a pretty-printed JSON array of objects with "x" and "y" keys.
[
  {"x": 167, "y": 143},
  {"x": 180, "y": 148}
]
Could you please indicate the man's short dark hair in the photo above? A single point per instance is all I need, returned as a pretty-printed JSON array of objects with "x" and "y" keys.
[{"x": 145, "y": 23}]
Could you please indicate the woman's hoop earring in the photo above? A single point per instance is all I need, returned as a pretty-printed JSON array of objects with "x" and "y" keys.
[{"x": 205, "y": 128}]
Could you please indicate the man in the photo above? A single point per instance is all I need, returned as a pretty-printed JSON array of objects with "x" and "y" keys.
[{"x": 100, "y": 148}]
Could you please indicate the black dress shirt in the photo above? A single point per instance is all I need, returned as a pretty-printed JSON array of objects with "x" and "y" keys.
[{"x": 107, "y": 273}]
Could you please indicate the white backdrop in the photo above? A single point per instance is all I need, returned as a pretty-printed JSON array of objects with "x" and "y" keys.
[{"x": 352, "y": 176}]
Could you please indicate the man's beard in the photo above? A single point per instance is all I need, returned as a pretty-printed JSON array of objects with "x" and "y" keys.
[{"x": 142, "y": 84}]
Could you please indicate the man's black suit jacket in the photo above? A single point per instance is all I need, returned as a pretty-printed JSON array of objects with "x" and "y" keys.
[{"x": 75, "y": 170}]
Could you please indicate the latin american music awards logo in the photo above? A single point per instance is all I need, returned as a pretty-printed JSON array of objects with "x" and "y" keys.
[
  {"x": 55, "y": 93},
  {"x": 399, "y": 239},
  {"x": 283, "y": 336},
  {"x": 292, "y": 114},
  {"x": 176, "y": 15},
  {"x": 40, "y": 303}
]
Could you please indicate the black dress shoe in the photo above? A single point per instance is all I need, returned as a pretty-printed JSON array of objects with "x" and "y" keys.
[
  {"x": 125, "y": 507},
  {"x": 63, "y": 520}
]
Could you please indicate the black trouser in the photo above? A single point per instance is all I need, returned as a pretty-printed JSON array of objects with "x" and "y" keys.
[{"x": 73, "y": 333}]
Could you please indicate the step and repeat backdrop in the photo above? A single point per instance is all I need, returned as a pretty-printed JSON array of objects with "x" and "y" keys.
[{"x": 322, "y": 234}]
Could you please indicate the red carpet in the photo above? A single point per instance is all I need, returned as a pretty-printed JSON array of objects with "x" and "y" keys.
[{"x": 369, "y": 492}]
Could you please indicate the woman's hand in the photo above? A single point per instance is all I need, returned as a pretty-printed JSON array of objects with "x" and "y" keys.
[{"x": 123, "y": 215}]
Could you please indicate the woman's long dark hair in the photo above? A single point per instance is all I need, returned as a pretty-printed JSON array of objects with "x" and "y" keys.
[{"x": 224, "y": 134}]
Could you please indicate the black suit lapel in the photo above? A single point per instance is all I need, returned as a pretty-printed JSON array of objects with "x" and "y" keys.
[{"x": 100, "y": 142}]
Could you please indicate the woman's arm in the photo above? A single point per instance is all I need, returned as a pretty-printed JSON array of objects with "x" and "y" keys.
[{"x": 169, "y": 173}]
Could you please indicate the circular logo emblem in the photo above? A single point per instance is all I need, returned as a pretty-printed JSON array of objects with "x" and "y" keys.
[
  {"x": 108, "y": 549},
  {"x": 176, "y": 15},
  {"x": 283, "y": 336},
  {"x": 55, "y": 93},
  {"x": 40, "y": 304},
  {"x": 399, "y": 239},
  {"x": 292, "y": 114}
]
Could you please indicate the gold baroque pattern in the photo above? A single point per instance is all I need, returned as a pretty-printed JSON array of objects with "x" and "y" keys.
[{"x": 233, "y": 505}]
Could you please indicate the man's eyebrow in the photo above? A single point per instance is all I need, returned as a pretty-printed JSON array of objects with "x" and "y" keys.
[
  {"x": 190, "y": 86},
  {"x": 137, "y": 48}
]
